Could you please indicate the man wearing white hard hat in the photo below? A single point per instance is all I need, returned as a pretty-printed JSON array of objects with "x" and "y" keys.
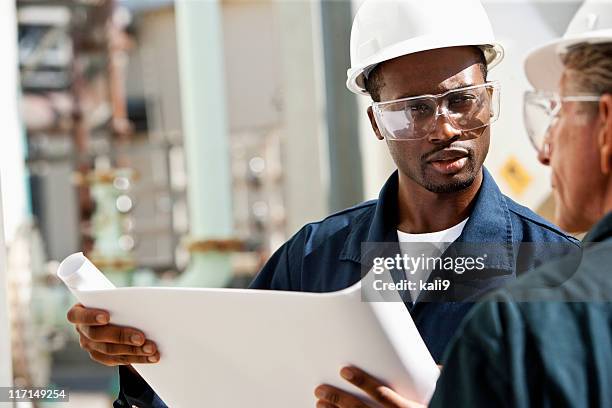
[
  {"x": 424, "y": 63},
  {"x": 545, "y": 340}
]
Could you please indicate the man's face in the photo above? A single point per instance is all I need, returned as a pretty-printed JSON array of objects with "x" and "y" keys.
[
  {"x": 574, "y": 159},
  {"x": 446, "y": 160}
]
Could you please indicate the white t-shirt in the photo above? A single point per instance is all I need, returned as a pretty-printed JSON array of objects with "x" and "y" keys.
[{"x": 440, "y": 240}]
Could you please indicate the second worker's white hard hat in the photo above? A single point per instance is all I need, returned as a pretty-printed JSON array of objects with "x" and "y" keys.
[
  {"x": 387, "y": 29},
  {"x": 592, "y": 24}
]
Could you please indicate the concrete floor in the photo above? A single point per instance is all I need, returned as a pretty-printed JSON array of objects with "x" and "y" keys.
[
  {"x": 89, "y": 400},
  {"x": 72, "y": 368}
]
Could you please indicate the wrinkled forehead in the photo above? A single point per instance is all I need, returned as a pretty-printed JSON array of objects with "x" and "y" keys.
[{"x": 431, "y": 72}]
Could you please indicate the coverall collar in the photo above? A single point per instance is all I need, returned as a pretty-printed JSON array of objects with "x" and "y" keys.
[
  {"x": 600, "y": 231},
  {"x": 489, "y": 223}
]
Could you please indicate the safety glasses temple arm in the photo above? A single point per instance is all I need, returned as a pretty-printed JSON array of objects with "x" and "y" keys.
[
  {"x": 581, "y": 98},
  {"x": 488, "y": 84}
]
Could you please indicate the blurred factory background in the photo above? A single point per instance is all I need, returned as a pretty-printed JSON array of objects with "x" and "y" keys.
[{"x": 182, "y": 143}]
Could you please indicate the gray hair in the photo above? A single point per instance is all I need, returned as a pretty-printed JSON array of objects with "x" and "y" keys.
[{"x": 589, "y": 67}]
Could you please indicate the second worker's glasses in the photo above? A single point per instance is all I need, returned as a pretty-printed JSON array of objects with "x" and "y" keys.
[
  {"x": 466, "y": 109},
  {"x": 542, "y": 109}
]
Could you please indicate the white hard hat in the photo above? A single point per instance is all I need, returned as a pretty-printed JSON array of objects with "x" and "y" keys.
[
  {"x": 387, "y": 29},
  {"x": 592, "y": 24}
]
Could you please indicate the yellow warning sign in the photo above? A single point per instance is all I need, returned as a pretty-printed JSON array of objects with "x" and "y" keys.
[{"x": 517, "y": 176}]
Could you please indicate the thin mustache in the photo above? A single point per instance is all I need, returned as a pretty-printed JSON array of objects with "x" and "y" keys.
[{"x": 427, "y": 156}]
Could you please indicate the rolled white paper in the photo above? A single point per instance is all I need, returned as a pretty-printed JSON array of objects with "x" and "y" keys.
[{"x": 79, "y": 274}]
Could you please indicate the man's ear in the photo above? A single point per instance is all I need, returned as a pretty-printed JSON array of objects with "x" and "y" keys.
[
  {"x": 604, "y": 139},
  {"x": 379, "y": 136}
]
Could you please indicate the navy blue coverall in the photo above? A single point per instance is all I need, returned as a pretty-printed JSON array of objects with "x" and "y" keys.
[{"x": 325, "y": 256}]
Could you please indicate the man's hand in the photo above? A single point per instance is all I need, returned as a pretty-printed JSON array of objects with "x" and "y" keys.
[
  {"x": 109, "y": 344},
  {"x": 332, "y": 397}
]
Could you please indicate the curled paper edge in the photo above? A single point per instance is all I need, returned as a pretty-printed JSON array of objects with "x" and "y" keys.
[{"x": 79, "y": 274}]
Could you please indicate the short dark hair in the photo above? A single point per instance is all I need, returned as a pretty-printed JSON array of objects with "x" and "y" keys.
[{"x": 375, "y": 82}]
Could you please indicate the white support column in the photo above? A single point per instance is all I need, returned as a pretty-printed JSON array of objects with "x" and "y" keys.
[
  {"x": 305, "y": 146},
  {"x": 12, "y": 163},
  {"x": 11, "y": 136},
  {"x": 205, "y": 127},
  {"x": 6, "y": 370}
]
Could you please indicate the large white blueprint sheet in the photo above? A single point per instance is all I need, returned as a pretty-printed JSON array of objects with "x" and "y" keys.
[{"x": 258, "y": 348}]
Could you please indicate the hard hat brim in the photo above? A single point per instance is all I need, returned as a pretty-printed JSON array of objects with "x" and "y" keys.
[
  {"x": 494, "y": 54},
  {"x": 544, "y": 66}
]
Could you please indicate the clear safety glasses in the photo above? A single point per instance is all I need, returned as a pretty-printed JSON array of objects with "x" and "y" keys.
[
  {"x": 541, "y": 111},
  {"x": 466, "y": 109}
]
